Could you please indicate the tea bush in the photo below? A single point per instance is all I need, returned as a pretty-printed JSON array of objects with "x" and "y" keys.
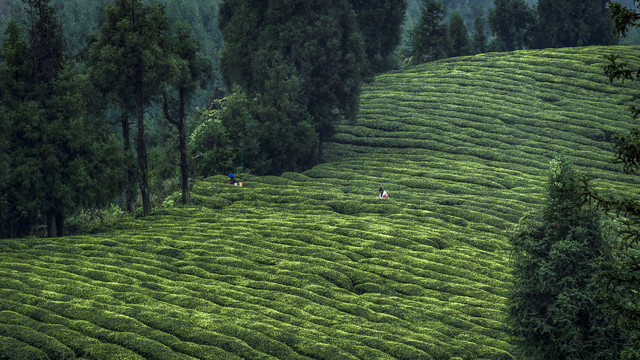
[{"x": 314, "y": 265}]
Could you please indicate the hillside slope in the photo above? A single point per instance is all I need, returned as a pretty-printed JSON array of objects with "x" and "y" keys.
[{"x": 313, "y": 265}]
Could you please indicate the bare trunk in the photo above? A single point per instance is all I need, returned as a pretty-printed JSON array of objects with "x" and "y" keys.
[
  {"x": 129, "y": 170},
  {"x": 184, "y": 168},
  {"x": 141, "y": 148},
  {"x": 51, "y": 225},
  {"x": 59, "y": 224},
  {"x": 179, "y": 123}
]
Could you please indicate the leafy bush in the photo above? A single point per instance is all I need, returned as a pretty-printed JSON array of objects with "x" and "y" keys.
[
  {"x": 91, "y": 221},
  {"x": 210, "y": 145}
]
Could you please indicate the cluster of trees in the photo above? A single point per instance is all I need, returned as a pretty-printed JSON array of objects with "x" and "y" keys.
[
  {"x": 509, "y": 25},
  {"x": 58, "y": 154},
  {"x": 81, "y": 18},
  {"x": 294, "y": 70}
]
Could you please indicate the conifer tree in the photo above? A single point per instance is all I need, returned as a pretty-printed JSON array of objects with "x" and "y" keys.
[
  {"x": 129, "y": 62},
  {"x": 554, "y": 311},
  {"x": 15, "y": 75},
  {"x": 59, "y": 160},
  {"x": 190, "y": 70},
  {"x": 314, "y": 44},
  {"x": 458, "y": 35},
  {"x": 479, "y": 36},
  {"x": 46, "y": 43},
  {"x": 380, "y": 22},
  {"x": 511, "y": 22},
  {"x": 428, "y": 38}
]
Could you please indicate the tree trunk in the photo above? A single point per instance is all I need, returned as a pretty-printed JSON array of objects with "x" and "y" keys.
[
  {"x": 51, "y": 224},
  {"x": 129, "y": 170},
  {"x": 59, "y": 224},
  {"x": 184, "y": 168},
  {"x": 141, "y": 148},
  {"x": 55, "y": 224}
]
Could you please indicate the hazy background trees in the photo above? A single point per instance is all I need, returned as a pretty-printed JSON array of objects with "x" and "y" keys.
[{"x": 503, "y": 25}]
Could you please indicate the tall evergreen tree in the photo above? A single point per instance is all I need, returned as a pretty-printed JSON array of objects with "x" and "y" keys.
[
  {"x": 554, "y": 311},
  {"x": 20, "y": 210},
  {"x": 573, "y": 23},
  {"x": 46, "y": 42},
  {"x": 190, "y": 70},
  {"x": 458, "y": 35},
  {"x": 319, "y": 44},
  {"x": 511, "y": 22},
  {"x": 284, "y": 118},
  {"x": 428, "y": 39},
  {"x": 59, "y": 160},
  {"x": 380, "y": 22},
  {"x": 479, "y": 36},
  {"x": 129, "y": 62}
]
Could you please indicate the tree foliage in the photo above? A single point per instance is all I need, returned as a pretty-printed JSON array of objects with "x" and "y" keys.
[
  {"x": 479, "y": 36},
  {"x": 511, "y": 22},
  {"x": 428, "y": 39},
  {"x": 573, "y": 23},
  {"x": 129, "y": 62},
  {"x": 554, "y": 312},
  {"x": 622, "y": 276},
  {"x": 380, "y": 22},
  {"x": 311, "y": 54},
  {"x": 458, "y": 35},
  {"x": 58, "y": 159}
]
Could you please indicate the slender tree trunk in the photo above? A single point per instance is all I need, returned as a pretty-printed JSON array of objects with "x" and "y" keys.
[
  {"x": 182, "y": 146},
  {"x": 51, "y": 225},
  {"x": 59, "y": 224},
  {"x": 141, "y": 148},
  {"x": 184, "y": 168},
  {"x": 129, "y": 170}
]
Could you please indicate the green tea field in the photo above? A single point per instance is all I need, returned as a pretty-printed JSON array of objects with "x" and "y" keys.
[{"x": 313, "y": 265}]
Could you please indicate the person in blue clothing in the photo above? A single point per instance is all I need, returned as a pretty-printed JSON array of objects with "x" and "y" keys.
[
  {"x": 383, "y": 194},
  {"x": 234, "y": 181}
]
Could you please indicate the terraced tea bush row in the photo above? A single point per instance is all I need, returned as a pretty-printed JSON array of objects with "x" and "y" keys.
[{"x": 313, "y": 265}]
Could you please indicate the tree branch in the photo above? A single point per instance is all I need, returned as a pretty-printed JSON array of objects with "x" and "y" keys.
[{"x": 165, "y": 109}]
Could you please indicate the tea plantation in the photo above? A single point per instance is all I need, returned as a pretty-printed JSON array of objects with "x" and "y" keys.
[{"x": 313, "y": 265}]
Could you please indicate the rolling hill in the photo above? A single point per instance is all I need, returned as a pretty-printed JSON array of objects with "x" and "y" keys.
[{"x": 313, "y": 265}]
